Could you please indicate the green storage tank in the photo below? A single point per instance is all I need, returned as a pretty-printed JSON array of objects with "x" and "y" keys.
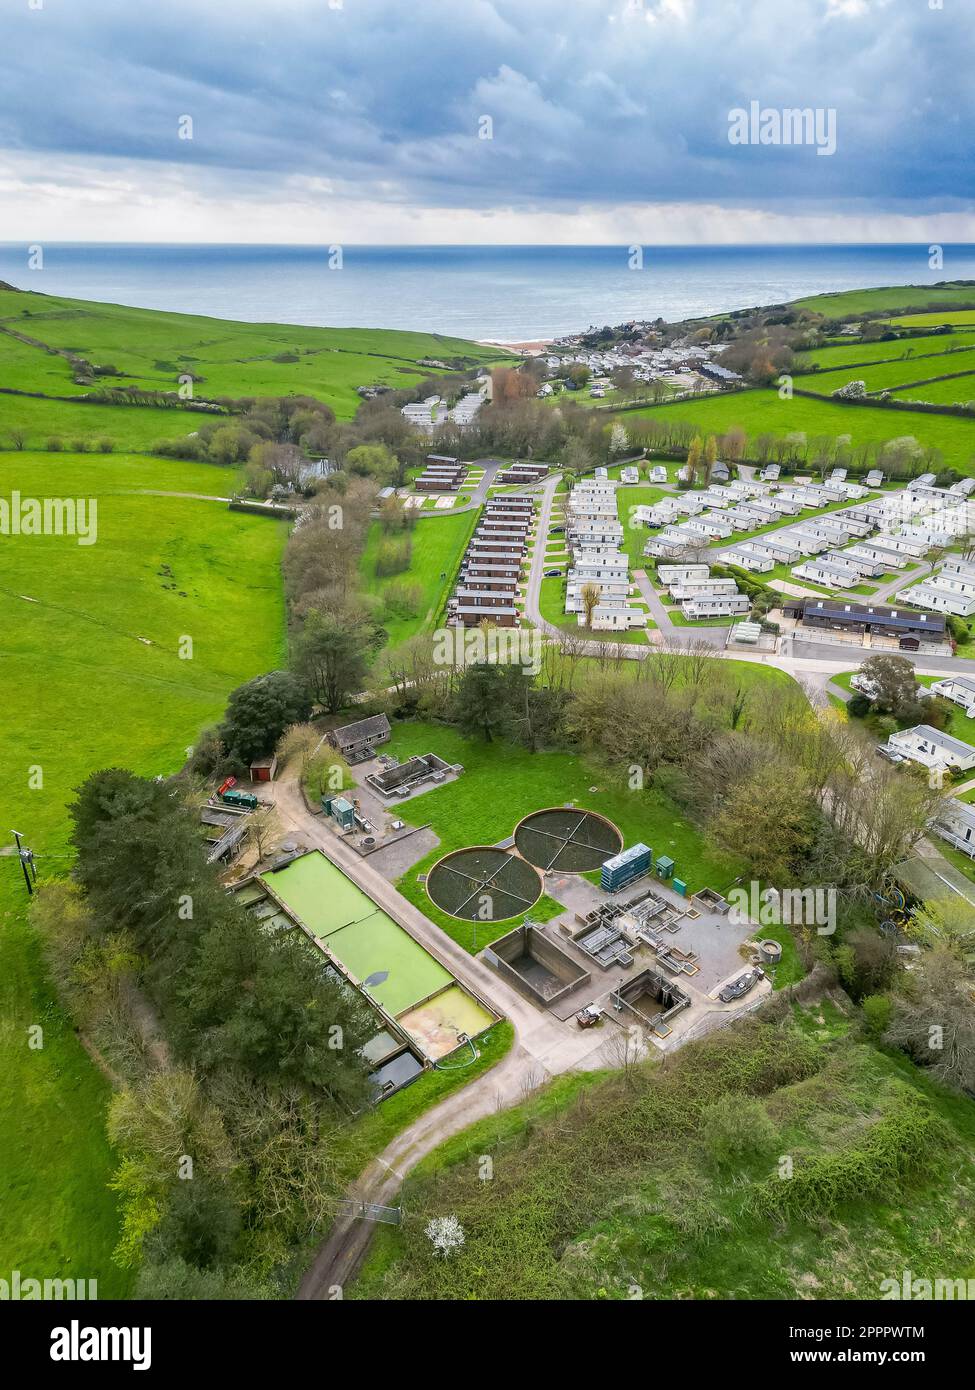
[
  {"x": 245, "y": 799},
  {"x": 679, "y": 886}
]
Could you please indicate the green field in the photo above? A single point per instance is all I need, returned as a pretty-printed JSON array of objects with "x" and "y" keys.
[
  {"x": 961, "y": 318},
  {"x": 151, "y": 349},
  {"x": 903, "y": 350},
  {"x": 92, "y": 678},
  {"x": 960, "y": 391},
  {"x": 885, "y": 376},
  {"x": 762, "y": 411},
  {"x": 133, "y": 428},
  {"x": 893, "y": 298},
  {"x": 438, "y": 545}
]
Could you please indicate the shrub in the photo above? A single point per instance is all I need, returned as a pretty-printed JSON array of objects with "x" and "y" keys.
[
  {"x": 104, "y": 445},
  {"x": 736, "y": 1127},
  {"x": 858, "y": 706},
  {"x": 393, "y": 556},
  {"x": 54, "y": 444},
  {"x": 876, "y": 1015},
  {"x": 403, "y": 600}
]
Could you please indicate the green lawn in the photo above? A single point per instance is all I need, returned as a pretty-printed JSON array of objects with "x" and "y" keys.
[
  {"x": 762, "y": 411},
  {"x": 438, "y": 545},
  {"x": 82, "y": 691},
  {"x": 152, "y": 349},
  {"x": 635, "y": 535},
  {"x": 502, "y": 783}
]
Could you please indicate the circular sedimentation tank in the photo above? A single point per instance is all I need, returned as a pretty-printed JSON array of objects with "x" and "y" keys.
[
  {"x": 483, "y": 884},
  {"x": 567, "y": 839}
]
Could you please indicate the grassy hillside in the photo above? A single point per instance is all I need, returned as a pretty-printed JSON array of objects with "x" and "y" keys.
[
  {"x": 675, "y": 1182},
  {"x": 894, "y": 298},
  {"x": 152, "y": 349},
  {"x": 92, "y": 678}
]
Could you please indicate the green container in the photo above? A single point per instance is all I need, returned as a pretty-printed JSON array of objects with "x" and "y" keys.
[
  {"x": 665, "y": 867},
  {"x": 679, "y": 886}
]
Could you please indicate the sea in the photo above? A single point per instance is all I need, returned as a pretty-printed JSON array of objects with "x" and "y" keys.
[{"x": 505, "y": 294}]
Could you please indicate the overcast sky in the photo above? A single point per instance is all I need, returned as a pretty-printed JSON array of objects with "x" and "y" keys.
[{"x": 360, "y": 121}]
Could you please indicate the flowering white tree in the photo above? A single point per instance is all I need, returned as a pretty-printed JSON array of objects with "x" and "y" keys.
[
  {"x": 618, "y": 440},
  {"x": 445, "y": 1233},
  {"x": 853, "y": 390}
]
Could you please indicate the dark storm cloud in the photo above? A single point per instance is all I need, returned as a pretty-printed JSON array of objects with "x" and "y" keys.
[{"x": 592, "y": 101}]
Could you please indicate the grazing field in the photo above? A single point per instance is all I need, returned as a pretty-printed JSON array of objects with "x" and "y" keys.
[
  {"x": 936, "y": 320},
  {"x": 894, "y": 298},
  {"x": 130, "y": 427},
  {"x": 884, "y": 376},
  {"x": 437, "y": 547},
  {"x": 763, "y": 411},
  {"x": 905, "y": 350},
  {"x": 959, "y": 391},
  {"x": 662, "y": 1183},
  {"x": 151, "y": 349},
  {"x": 91, "y": 679}
]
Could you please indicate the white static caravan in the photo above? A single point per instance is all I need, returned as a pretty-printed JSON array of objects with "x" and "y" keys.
[
  {"x": 748, "y": 560},
  {"x": 954, "y": 566},
  {"x": 863, "y": 564},
  {"x": 955, "y": 822},
  {"x": 715, "y": 527},
  {"x": 870, "y": 550},
  {"x": 935, "y": 599},
  {"x": 698, "y": 588},
  {"x": 806, "y": 542},
  {"x": 782, "y": 549},
  {"x": 823, "y": 572},
  {"x": 931, "y": 748},
  {"x": 715, "y": 605},
  {"x": 959, "y": 689},
  {"x": 673, "y": 574},
  {"x": 612, "y": 593},
  {"x": 606, "y": 619}
]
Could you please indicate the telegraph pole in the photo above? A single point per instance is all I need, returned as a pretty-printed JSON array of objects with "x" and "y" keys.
[{"x": 26, "y": 857}]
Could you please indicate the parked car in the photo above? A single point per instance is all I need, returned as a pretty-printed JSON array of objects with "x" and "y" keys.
[
  {"x": 551, "y": 574},
  {"x": 890, "y": 754}
]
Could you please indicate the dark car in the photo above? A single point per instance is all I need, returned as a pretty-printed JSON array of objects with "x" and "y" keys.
[
  {"x": 551, "y": 574},
  {"x": 740, "y": 987}
]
